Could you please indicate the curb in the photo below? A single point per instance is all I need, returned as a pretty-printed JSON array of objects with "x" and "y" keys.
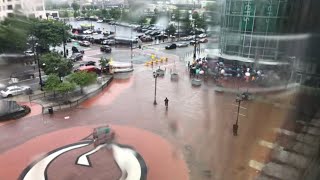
[{"x": 78, "y": 101}]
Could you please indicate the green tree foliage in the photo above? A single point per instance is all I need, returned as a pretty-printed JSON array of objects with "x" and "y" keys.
[
  {"x": 63, "y": 14},
  {"x": 82, "y": 78},
  {"x": 186, "y": 24},
  {"x": 115, "y": 13},
  {"x": 153, "y": 20},
  {"x": 66, "y": 87},
  {"x": 13, "y": 34},
  {"x": 171, "y": 29},
  {"x": 105, "y": 14},
  {"x": 52, "y": 83},
  {"x": 49, "y": 33},
  {"x": 75, "y": 6},
  {"x": 54, "y": 63},
  {"x": 199, "y": 21},
  {"x": 142, "y": 20},
  {"x": 103, "y": 62}
]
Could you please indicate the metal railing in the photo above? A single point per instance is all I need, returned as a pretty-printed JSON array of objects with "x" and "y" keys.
[{"x": 74, "y": 103}]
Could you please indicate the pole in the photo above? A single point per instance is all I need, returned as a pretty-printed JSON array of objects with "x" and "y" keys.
[
  {"x": 239, "y": 103},
  {"x": 39, "y": 68},
  {"x": 64, "y": 40},
  {"x": 155, "y": 90},
  {"x": 131, "y": 49},
  {"x": 178, "y": 25}
]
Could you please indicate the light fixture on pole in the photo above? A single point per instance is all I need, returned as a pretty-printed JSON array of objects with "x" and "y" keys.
[{"x": 155, "y": 75}]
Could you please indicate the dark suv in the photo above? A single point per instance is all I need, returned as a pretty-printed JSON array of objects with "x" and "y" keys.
[
  {"x": 105, "y": 48},
  {"x": 76, "y": 57}
]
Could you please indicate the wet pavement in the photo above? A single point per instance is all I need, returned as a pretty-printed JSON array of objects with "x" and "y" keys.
[{"x": 198, "y": 121}]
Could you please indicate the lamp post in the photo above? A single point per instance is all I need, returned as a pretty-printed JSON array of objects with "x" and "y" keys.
[
  {"x": 131, "y": 49},
  {"x": 64, "y": 40},
  {"x": 39, "y": 67},
  {"x": 155, "y": 75},
  {"x": 235, "y": 126}
]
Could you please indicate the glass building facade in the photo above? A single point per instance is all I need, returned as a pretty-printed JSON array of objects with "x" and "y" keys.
[{"x": 250, "y": 28}]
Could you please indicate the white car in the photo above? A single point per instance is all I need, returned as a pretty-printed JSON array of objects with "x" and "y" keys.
[
  {"x": 202, "y": 35},
  {"x": 183, "y": 44},
  {"x": 100, "y": 21},
  {"x": 29, "y": 53},
  {"x": 87, "y": 31},
  {"x": 14, "y": 90}
]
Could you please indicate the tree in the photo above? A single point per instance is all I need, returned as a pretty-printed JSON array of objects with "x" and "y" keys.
[
  {"x": 153, "y": 20},
  {"x": 52, "y": 83},
  {"x": 103, "y": 62},
  {"x": 186, "y": 24},
  {"x": 82, "y": 79},
  {"x": 63, "y": 14},
  {"x": 105, "y": 14},
  {"x": 142, "y": 20},
  {"x": 66, "y": 87},
  {"x": 75, "y": 6},
  {"x": 54, "y": 63},
  {"x": 156, "y": 11},
  {"x": 115, "y": 13},
  {"x": 14, "y": 33},
  {"x": 49, "y": 33},
  {"x": 171, "y": 29}
]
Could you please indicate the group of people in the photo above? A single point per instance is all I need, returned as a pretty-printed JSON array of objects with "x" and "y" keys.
[
  {"x": 248, "y": 73},
  {"x": 198, "y": 67}
]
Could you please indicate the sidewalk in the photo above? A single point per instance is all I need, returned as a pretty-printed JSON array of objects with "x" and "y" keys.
[{"x": 75, "y": 97}]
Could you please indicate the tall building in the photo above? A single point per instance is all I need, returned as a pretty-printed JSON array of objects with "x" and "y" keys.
[
  {"x": 28, "y": 7},
  {"x": 250, "y": 30}
]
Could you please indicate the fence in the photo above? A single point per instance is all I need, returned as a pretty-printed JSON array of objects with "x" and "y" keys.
[{"x": 69, "y": 104}]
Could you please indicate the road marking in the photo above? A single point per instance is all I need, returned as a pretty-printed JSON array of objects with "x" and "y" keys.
[
  {"x": 284, "y": 131},
  {"x": 267, "y": 144},
  {"x": 38, "y": 171},
  {"x": 256, "y": 165},
  {"x": 83, "y": 159}
]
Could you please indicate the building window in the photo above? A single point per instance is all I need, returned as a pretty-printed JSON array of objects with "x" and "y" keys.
[
  {"x": 10, "y": 7},
  {"x": 18, "y": 6},
  {"x": 9, "y": 0}
]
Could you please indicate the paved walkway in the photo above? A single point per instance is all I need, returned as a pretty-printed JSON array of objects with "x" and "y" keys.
[{"x": 157, "y": 152}]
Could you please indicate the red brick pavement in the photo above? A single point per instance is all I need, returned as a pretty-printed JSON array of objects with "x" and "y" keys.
[{"x": 157, "y": 152}]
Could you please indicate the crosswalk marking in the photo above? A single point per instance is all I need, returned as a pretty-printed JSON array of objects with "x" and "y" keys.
[
  {"x": 256, "y": 165},
  {"x": 284, "y": 131},
  {"x": 267, "y": 144}
]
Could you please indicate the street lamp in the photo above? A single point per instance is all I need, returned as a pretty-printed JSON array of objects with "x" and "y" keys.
[
  {"x": 155, "y": 75},
  {"x": 131, "y": 48},
  {"x": 64, "y": 39},
  {"x": 39, "y": 67}
]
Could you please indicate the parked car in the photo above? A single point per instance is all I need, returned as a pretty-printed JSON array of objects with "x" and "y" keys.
[
  {"x": 204, "y": 40},
  {"x": 88, "y": 31},
  {"x": 182, "y": 44},
  {"x": 202, "y": 35},
  {"x": 146, "y": 38},
  {"x": 88, "y": 69},
  {"x": 194, "y": 42},
  {"x": 29, "y": 53},
  {"x": 109, "y": 42},
  {"x": 105, "y": 48},
  {"x": 88, "y": 63},
  {"x": 171, "y": 46},
  {"x": 14, "y": 90},
  {"x": 85, "y": 43},
  {"x": 76, "y": 57}
]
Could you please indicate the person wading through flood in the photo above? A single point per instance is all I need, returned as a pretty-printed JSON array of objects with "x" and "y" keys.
[{"x": 166, "y": 102}]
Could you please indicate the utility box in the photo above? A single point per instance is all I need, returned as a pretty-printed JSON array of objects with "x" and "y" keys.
[{"x": 103, "y": 135}]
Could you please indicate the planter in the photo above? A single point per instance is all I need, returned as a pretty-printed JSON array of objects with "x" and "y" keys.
[{"x": 196, "y": 82}]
